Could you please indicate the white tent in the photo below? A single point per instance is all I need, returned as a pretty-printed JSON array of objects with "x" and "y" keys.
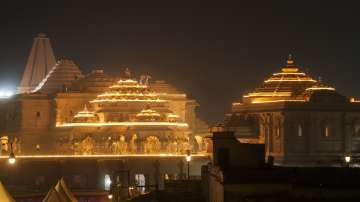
[
  {"x": 4, "y": 194},
  {"x": 60, "y": 192}
]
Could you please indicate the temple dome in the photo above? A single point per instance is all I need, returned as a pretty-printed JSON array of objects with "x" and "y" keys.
[
  {"x": 85, "y": 116},
  {"x": 128, "y": 102},
  {"x": 289, "y": 84},
  {"x": 321, "y": 92},
  {"x": 149, "y": 114},
  {"x": 319, "y": 86},
  {"x": 128, "y": 90}
]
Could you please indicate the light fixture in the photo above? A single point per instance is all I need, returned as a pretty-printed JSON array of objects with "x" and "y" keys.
[
  {"x": 347, "y": 159},
  {"x": 110, "y": 196},
  {"x": 188, "y": 158},
  {"x": 188, "y": 155},
  {"x": 12, "y": 158}
]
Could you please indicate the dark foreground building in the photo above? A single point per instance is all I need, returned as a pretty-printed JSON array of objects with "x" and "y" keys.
[
  {"x": 90, "y": 177},
  {"x": 239, "y": 173}
]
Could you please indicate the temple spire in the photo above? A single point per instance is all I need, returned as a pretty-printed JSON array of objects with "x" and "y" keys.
[
  {"x": 290, "y": 66},
  {"x": 290, "y": 60},
  {"x": 127, "y": 73},
  {"x": 39, "y": 63}
]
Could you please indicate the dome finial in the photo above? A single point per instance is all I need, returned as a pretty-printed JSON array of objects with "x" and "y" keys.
[
  {"x": 319, "y": 79},
  {"x": 127, "y": 73},
  {"x": 289, "y": 60}
]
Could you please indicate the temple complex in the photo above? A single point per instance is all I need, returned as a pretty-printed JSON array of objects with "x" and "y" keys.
[
  {"x": 67, "y": 112},
  {"x": 301, "y": 120},
  {"x": 124, "y": 135},
  {"x": 129, "y": 117},
  {"x": 94, "y": 128}
]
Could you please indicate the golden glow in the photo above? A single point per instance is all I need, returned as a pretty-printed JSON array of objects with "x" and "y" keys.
[
  {"x": 269, "y": 94},
  {"x": 172, "y": 116},
  {"x": 85, "y": 114},
  {"x": 104, "y": 155},
  {"x": 290, "y": 69},
  {"x": 354, "y": 100},
  {"x": 12, "y": 160},
  {"x": 128, "y": 94},
  {"x": 147, "y": 112},
  {"x": 273, "y": 101},
  {"x": 291, "y": 80},
  {"x": 141, "y": 93},
  {"x": 128, "y": 81},
  {"x": 123, "y": 124},
  {"x": 127, "y": 100},
  {"x": 122, "y": 92},
  {"x": 289, "y": 73},
  {"x": 171, "y": 95},
  {"x": 128, "y": 86},
  {"x": 237, "y": 103},
  {"x": 321, "y": 88}
]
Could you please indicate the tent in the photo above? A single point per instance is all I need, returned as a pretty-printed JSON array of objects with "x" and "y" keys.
[
  {"x": 60, "y": 192},
  {"x": 4, "y": 194},
  {"x": 63, "y": 189},
  {"x": 54, "y": 196}
]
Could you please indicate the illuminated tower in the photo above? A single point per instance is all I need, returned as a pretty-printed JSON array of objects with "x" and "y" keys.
[
  {"x": 287, "y": 85},
  {"x": 40, "y": 62}
]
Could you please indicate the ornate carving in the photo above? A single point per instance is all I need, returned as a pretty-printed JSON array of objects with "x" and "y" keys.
[{"x": 152, "y": 145}]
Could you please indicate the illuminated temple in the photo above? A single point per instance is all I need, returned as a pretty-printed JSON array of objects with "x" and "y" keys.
[
  {"x": 128, "y": 118},
  {"x": 302, "y": 121},
  {"x": 68, "y": 112},
  {"x": 91, "y": 128}
]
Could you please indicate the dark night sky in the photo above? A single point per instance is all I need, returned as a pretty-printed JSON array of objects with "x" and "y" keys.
[{"x": 213, "y": 52}]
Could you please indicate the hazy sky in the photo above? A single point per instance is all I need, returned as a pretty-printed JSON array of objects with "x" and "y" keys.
[{"x": 213, "y": 52}]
